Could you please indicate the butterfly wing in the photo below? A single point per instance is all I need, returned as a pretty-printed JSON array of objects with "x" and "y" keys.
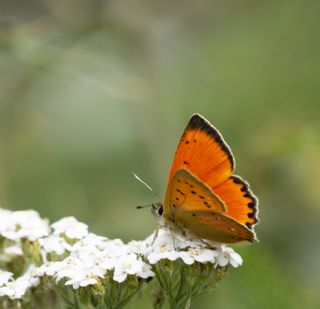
[
  {"x": 210, "y": 225},
  {"x": 185, "y": 191},
  {"x": 240, "y": 202},
  {"x": 203, "y": 152},
  {"x": 191, "y": 204}
]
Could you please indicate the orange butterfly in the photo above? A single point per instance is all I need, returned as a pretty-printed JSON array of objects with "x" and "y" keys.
[{"x": 203, "y": 197}]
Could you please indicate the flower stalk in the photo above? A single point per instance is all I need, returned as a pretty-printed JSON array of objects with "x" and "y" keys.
[{"x": 179, "y": 284}]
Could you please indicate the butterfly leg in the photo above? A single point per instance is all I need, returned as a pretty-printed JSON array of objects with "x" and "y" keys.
[
  {"x": 156, "y": 233},
  {"x": 207, "y": 244},
  {"x": 173, "y": 239}
]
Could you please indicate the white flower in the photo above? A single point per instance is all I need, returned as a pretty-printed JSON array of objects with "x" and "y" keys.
[
  {"x": 22, "y": 224},
  {"x": 78, "y": 272},
  {"x": 5, "y": 276},
  {"x": 106, "y": 263},
  {"x": 15, "y": 289},
  {"x": 90, "y": 244},
  {"x": 97, "y": 250},
  {"x": 8, "y": 290},
  {"x": 161, "y": 248},
  {"x": 115, "y": 248},
  {"x": 29, "y": 279},
  {"x": 92, "y": 239},
  {"x": 91, "y": 256},
  {"x": 67, "y": 268},
  {"x": 130, "y": 264},
  {"x": 201, "y": 255},
  {"x": 69, "y": 226},
  {"x": 163, "y": 252},
  {"x": 227, "y": 255},
  {"x": 51, "y": 268},
  {"x": 169, "y": 245},
  {"x": 139, "y": 247},
  {"x": 54, "y": 244},
  {"x": 82, "y": 275},
  {"x": 81, "y": 281},
  {"x": 89, "y": 259},
  {"x": 146, "y": 271}
]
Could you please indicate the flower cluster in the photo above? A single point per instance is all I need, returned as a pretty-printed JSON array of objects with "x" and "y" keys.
[
  {"x": 69, "y": 254},
  {"x": 22, "y": 224},
  {"x": 17, "y": 288}
]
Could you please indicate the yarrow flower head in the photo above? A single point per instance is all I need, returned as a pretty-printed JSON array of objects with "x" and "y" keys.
[
  {"x": 227, "y": 255},
  {"x": 22, "y": 224},
  {"x": 93, "y": 261},
  {"x": 69, "y": 226},
  {"x": 15, "y": 289},
  {"x": 55, "y": 244},
  {"x": 167, "y": 246}
]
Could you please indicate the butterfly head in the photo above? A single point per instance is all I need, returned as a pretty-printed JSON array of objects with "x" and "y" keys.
[{"x": 157, "y": 209}]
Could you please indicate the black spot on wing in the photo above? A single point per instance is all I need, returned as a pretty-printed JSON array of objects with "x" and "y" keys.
[
  {"x": 249, "y": 225},
  {"x": 179, "y": 191},
  {"x": 237, "y": 180},
  {"x": 252, "y": 200}
]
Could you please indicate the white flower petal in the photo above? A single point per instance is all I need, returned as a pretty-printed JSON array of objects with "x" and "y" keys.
[
  {"x": 5, "y": 276},
  {"x": 71, "y": 227},
  {"x": 120, "y": 277},
  {"x": 55, "y": 244},
  {"x": 22, "y": 224}
]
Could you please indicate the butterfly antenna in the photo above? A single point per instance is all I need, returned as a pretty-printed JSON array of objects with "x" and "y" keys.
[
  {"x": 152, "y": 190},
  {"x": 144, "y": 206}
]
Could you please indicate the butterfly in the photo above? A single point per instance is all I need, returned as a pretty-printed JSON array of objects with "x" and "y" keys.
[{"x": 203, "y": 196}]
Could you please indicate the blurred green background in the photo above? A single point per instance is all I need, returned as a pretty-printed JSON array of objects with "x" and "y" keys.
[{"x": 92, "y": 90}]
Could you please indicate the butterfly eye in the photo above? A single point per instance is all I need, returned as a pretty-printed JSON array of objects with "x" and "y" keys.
[{"x": 160, "y": 211}]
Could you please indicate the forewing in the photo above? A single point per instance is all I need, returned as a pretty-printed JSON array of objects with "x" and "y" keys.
[{"x": 203, "y": 152}]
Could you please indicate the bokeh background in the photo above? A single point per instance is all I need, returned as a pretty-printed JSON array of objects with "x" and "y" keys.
[{"x": 92, "y": 90}]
